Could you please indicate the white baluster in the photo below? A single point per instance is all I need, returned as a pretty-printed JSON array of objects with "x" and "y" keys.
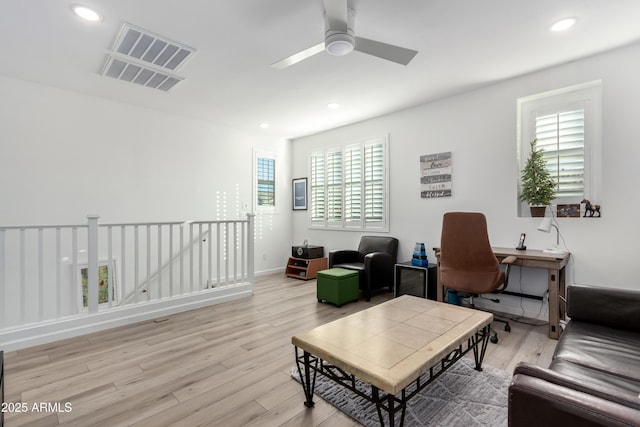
[
  {"x": 92, "y": 258},
  {"x": 40, "y": 274},
  {"x": 159, "y": 274}
]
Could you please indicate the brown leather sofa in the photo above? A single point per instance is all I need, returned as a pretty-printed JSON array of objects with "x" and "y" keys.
[{"x": 594, "y": 378}]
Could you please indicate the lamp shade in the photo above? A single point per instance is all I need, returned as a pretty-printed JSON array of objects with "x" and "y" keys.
[{"x": 545, "y": 225}]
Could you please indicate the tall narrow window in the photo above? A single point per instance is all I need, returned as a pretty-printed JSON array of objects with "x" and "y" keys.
[
  {"x": 349, "y": 186},
  {"x": 266, "y": 182}
]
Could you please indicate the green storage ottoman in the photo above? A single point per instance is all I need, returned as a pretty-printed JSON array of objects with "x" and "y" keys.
[{"x": 338, "y": 286}]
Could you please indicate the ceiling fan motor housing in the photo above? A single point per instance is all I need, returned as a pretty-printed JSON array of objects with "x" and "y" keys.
[{"x": 339, "y": 38}]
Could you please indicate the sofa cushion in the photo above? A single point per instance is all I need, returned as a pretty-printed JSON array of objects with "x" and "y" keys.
[
  {"x": 601, "y": 348},
  {"x": 617, "y": 308},
  {"x": 603, "y": 381}
]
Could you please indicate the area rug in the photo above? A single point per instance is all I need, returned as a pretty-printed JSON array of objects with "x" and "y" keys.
[{"x": 461, "y": 396}]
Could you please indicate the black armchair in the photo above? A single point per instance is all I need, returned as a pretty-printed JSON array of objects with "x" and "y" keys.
[{"x": 374, "y": 260}]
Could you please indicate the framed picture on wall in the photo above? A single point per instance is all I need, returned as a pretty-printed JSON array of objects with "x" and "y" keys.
[{"x": 299, "y": 192}]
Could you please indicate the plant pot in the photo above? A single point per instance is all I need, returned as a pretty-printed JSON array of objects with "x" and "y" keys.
[{"x": 537, "y": 211}]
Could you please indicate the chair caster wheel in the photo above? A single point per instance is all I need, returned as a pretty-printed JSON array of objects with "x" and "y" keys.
[
  {"x": 494, "y": 339},
  {"x": 507, "y": 328}
]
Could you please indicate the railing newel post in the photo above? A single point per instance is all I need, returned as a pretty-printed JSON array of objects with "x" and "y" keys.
[{"x": 250, "y": 249}]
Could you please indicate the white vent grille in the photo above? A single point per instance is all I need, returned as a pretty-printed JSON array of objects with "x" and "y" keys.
[
  {"x": 141, "y": 57},
  {"x": 137, "y": 73}
]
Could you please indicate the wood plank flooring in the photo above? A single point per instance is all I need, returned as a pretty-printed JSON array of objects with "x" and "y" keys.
[{"x": 226, "y": 365}]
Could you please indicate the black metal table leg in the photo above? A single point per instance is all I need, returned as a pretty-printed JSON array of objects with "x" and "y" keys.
[
  {"x": 481, "y": 339},
  {"x": 308, "y": 380},
  {"x": 391, "y": 409}
]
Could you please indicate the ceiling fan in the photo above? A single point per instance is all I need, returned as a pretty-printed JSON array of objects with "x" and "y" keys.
[{"x": 340, "y": 39}]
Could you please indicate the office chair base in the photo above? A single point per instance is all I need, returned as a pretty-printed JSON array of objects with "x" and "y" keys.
[
  {"x": 494, "y": 337},
  {"x": 457, "y": 299}
]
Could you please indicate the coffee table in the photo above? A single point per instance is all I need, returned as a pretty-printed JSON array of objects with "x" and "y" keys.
[{"x": 397, "y": 347}]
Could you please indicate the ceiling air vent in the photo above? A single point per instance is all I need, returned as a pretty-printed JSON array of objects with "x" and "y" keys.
[{"x": 141, "y": 57}]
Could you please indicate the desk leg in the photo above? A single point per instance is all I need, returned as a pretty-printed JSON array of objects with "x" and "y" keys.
[
  {"x": 554, "y": 304},
  {"x": 563, "y": 294}
]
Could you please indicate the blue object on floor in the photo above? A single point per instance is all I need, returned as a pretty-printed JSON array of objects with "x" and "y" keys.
[{"x": 453, "y": 297}]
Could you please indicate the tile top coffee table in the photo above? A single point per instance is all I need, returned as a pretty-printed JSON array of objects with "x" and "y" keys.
[{"x": 397, "y": 347}]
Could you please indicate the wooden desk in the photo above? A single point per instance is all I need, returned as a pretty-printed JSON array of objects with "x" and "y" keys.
[{"x": 554, "y": 263}]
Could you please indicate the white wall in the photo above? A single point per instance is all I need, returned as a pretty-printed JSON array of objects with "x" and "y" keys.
[
  {"x": 64, "y": 155},
  {"x": 479, "y": 128}
]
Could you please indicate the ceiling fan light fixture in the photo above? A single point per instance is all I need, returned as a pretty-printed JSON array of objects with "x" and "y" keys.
[{"x": 339, "y": 44}]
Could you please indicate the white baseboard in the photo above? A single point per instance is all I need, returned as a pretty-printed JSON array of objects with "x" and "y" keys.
[
  {"x": 271, "y": 271},
  {"x": 37, "y": 334}
]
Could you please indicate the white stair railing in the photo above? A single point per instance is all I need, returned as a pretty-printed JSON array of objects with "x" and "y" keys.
[{"x": 61, "y": 272}]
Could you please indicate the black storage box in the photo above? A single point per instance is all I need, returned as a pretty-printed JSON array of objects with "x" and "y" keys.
[{"x": 307, "y": 251}]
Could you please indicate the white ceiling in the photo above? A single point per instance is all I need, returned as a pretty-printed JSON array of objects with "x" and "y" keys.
[{"x": 462, "y": 44}]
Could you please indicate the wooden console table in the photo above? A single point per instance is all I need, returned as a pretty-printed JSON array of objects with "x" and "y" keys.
[{"x": 555, "y": 265}]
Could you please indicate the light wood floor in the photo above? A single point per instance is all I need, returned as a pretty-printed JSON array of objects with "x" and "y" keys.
[{"x": 226, "y": 365}]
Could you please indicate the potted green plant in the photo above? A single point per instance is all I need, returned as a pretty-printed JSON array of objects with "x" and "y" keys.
[{"x": 538, "y": 186}]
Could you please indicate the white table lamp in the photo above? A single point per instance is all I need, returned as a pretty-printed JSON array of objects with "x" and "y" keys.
[{"x": 545, "y": 226}]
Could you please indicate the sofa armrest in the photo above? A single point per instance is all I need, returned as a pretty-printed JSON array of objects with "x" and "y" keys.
[
  {"x": 618, "y": 308},
  {"x": 553, "y": 377},
  {"x": 342, "y": 257},
  {"x": 533, "y": 401}
]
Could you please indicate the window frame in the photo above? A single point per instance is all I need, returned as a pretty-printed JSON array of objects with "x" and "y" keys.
[
  {"x": 586, "y": 96},
  {"x": 349, "y": 158}
]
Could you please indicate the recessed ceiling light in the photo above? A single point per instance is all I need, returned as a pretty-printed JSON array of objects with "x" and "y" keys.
[
  {"x": 264, "y": 125},
  {"x": 333, "y": 106},
  {"x": 563, "y": 24},
  {"x": 86, "y": 13}
]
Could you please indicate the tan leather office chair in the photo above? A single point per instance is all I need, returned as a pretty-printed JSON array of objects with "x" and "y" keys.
[{"x": 467, "y": 262}]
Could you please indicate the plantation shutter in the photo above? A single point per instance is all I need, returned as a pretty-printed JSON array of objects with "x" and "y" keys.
[
  {"x": 334, "y": 186},
  {"x": 317, "y": 196},
  {"x": 353, "y": 184},
  {"x": 374, "y": 181},
  {"x": 561, "y": 137}
]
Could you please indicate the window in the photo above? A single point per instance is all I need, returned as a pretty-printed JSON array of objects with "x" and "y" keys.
[
  {"x": 265, "y": 181},
  {"x": 561, "y": 137},
  {"x": 349, "y": 186},
  {"x": 566, "y": 123}
]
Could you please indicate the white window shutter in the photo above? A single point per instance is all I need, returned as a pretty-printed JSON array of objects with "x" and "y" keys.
[
  {"x": 561, "y": 137},
  {"x": 317, "y": 196}
]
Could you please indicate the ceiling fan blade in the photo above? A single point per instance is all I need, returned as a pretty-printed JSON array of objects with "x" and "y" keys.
[
  {"x": 386, "y": 51},
  {"x": 297, "y": 57},
  {"x": 337, "y": 14}
]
